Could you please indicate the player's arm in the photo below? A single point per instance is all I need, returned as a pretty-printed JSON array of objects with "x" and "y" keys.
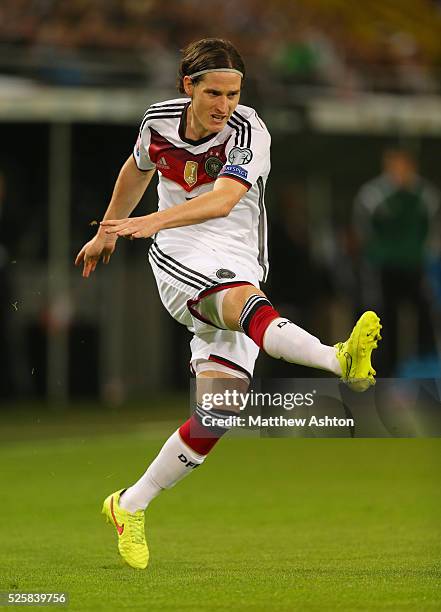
[
  {"x": 128, "y": 191},
  {"x": 213, "y": 205}
]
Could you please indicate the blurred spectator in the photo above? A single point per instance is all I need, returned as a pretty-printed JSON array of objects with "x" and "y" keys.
[
  {"x": 297, "y": 61},
  {"x": 412, "y": 75},
  {"x": 306, "y": 55},
  {"x": 394, "y": 215}
]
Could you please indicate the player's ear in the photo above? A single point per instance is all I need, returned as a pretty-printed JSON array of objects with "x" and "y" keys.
[{"x": 188, "y": 86}]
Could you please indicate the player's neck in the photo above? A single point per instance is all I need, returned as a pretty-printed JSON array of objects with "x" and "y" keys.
[{"x": 194, "y": 130}]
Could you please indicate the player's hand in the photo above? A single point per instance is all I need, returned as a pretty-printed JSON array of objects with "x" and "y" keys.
[
  {"x": 133, "y": 227},
  {"x": 100, "y": 247}
]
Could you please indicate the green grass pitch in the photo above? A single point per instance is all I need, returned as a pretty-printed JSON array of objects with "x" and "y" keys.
[{"x": 265, "y": 524}]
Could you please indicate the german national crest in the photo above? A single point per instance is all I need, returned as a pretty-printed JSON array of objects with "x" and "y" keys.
[
  {"x": 224, "y": 273},
  {"x": 213, "y": 166}
]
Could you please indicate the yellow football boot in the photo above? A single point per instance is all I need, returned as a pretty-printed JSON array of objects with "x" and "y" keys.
[
  {"x": 354, "y": 355},
  {"x": 129, "y": 526}
]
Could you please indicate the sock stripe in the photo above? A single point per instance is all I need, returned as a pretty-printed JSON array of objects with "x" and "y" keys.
[
  {"x": 214, "y": 414},
  {"x": 248, "y": 305},
  {"x": 200, "y": 436},
  {"x": 249, "y": 311}
]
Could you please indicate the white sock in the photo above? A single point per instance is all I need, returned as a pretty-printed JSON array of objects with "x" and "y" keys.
[
  {"x": 174, "y": 461},
  {"x": 285, "y": 340}
]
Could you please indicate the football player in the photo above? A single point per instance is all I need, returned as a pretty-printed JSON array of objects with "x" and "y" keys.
[{"x": 209, "y": 256}]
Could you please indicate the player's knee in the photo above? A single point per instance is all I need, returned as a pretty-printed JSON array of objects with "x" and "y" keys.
[
  {"x": 234, "y": 302},
  {"x": 242, "y": 308},
  {"x": 223, "y": 307}
]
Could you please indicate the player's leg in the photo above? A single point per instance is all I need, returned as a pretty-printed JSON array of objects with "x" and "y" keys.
[
  {"x": 246, "y": 308},
  {"x": 216, "y": 354},
  {"x": 185, "y": 450},
  {"x": 188, "y": 446}
]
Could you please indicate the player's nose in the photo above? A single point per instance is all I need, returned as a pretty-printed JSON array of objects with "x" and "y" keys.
[{"x": 222, "y": 105}]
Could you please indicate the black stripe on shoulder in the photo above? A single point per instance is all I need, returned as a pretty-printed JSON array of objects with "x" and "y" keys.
[
  {"x": 151, "y": 116},
  {"x": 161, "y": 113},
  {"x": 165, "y": 111},
  {"x": 247, "y": 126},
  {"x": 204, "y": 278},
  {"x": 144, "y": 119},
  {"x": 238, "y": 130},
  {"x": 160, "y": 105},
  {"x": 162, "y": 116},
  {"x": 241, "y": 126},
  {"x": 165, "y": 107}
]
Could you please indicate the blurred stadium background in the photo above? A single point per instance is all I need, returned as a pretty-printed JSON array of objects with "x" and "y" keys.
[{"x": 337, "y": 82}]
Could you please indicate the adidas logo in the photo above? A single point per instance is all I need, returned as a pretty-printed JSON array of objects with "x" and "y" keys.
[{"x": 162, "y": 164}]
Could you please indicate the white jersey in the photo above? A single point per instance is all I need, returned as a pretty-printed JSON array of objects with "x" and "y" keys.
[{"x": 188, "y": 168}]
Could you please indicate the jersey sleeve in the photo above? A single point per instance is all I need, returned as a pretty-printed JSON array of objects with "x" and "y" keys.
[
  {"x": 141, "y": 148},
  {"x": 247, "y": 150}
]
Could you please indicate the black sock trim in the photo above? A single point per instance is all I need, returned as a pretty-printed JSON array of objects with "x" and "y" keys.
[
  {"x": 252, "y": 305},
  {"x": 219, "y": 415}
]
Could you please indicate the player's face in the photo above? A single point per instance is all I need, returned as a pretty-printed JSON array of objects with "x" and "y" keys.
[{"x": 213, "y": 101}]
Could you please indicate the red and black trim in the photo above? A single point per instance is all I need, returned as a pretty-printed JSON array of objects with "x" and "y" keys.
[
  {"x": 229, "y": 364},
  {"x": 257, "y": 314},
  {"x": 220, "y": 286},
  {"x": 236, "y": 178},
  {"x": 199, "y": 437},
  {"x": 252, "y": 305},
  {"x": 191, "y": 304}
]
